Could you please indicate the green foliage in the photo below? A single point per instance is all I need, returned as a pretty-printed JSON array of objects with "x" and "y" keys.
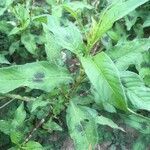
[
  {"x": 136, "y": 91},
  {"x": 29, "y": 42},
  {"x": 68, "y": 37},
  {"x": 32, "y": 145},
  {"x": 74, "y": 69},
  {"x": 3, "y": 60},
  {"x": 110, "y": 15},
  {"x": 38, "y": 75},
  {"x": 82, "y": 126},
  {"x": 4, "y": 5},
  {"x": 129, "y": 53},
  {"x": 105, "y": 78},
  {"x": 51, "y": 126}
]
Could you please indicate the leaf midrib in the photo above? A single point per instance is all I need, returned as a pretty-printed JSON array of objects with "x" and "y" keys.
[
  {"x": 79, "y": 122},
  {"x": 104, "y": 77}
]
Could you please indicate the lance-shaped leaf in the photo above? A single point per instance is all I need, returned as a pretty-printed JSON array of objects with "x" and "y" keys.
[
  {"x": 18, "y": 121},
  {"x": 3, "y": 60},
  {"x": 147, "y": 22},
  {"x": 4, "y": 5},
  {"x": 110, "y": 15},
  {"x": 67, "y": 37},
  {"x": 32, "y": 145},
  {"x": 82, "y": 127},
  {"x": 145, "y": 73},
  {"x": 137, "y": 92},
  {"x": 28, "y": 40},
  {"x": 50, "y": 126},
  {"x": 82, "y": 123},
  {"x": 104, "y": 76},
  {"x": 38, "y": 75},
  {"x": 141, "y": 124},
  {"x": 52, "y": 48},
  {"x": 144, "y": 70},
  {"x": 106, "y": 121},
  {"x": 5, "y": 126},
  {"x": 76, "y": 7},
  {"x": 70, "y": 38},
  {"x": 19, "y": 117},
  {"x": 127, "y": 53}
]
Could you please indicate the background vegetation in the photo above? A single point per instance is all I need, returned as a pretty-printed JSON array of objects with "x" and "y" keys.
[{"x": 74, "y": 74}]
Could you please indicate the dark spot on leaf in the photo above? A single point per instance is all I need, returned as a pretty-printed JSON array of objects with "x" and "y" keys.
[
  {"x": 124, "y": 83},
  {"x": 38, "y": 77},
  {"x": 79, "y": 128},
  {"x": 144, "y": 125},
  {"x": 130, "y": 18},
  {"x": 147, "y": 65},
  {"x": 121, "y": 34},
  {"x": 106, "y": 39},
  {"x": 84, "y": 122},
  {"x": 68, "y": 38}
]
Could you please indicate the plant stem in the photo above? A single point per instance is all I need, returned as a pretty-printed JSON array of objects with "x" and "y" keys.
[
  {"x": 4, "y": 105},
  {"x": 35, "y": 129},
  {"x": 14, "y": 96},
  {"x": 76, "y": 84}
]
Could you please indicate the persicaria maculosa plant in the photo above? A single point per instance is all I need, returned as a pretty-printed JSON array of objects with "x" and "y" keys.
[{"x": 76, "y": 69}]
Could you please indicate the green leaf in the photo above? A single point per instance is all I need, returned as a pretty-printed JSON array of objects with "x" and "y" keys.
[
  {"x": 51, "y": 2},
  {"x": 110, "y": 15},
  {"x": 19, "y": 117},
  {"x": 40, "y": 18},
  {"x": 13, "y": 148},
  {"x": 18, "y": 121},
  {"x": 16, "y": 136},
  {"x": 68, "y": 37},
  {"x": 5, "y": 27},
  {"x": 82, "y": 126},
  {"x": 21, "y": 13},
  {"x": 4, "y": 5},
  {"x": 83, "y": 100},
  {"x": 144, "y": 70},
  {"x": 141, "y": 143},
  {"x": 101, "y": 119},
  {"x": 38, "y": 75},
  {"x": 106, "y": 121},
  {"x": 127, "y": 53},
  {"x": 129, "y": 47},
  {"x": 28, "y": 40},
  {"x": 105, "y": 78},
  {"x": 145, "y": 74},
  {"x": 16, "y": 30},
  {"x": 5, "y": 126},
  {"x": 32, "y": 145},
  {"x": 57, "y": 10},
  {"x": 53, "y": 22},
  {"x": 139, "y": 123},
  {"x": 136, "y": 91},
  {"x": 52, "y": 48},
  {"x": 3, "y": 60},
  {"x": 147, "y": 22},
  {"x": 51, "y": 126},
  {"x": 131, "y": 19},
  {"x": 76, "y": 7},
  {"x": 38, "y": 103},
  {"x": 14, "y": 47}
]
